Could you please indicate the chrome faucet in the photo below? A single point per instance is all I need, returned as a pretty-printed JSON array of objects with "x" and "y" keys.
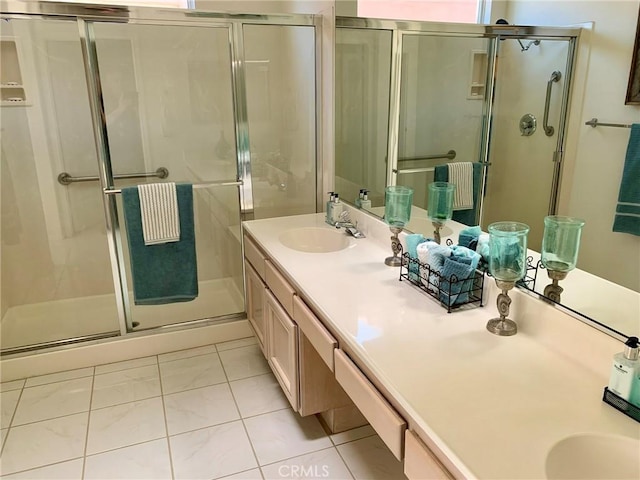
[{"x": 349, "y": 227}]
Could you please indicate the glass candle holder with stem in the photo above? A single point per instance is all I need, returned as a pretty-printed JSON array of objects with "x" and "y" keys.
[
  {"x": 507, "y": 264},
  {"x": 440, "y": 205},
  {"x": 397, "y": 213},
  {"x": 560, "y": 245}
]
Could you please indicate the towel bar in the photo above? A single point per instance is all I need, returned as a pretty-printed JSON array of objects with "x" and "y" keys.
[
  {"x": 66, "y": 179},
  {"x": 451, "y": 154},
  {"x": 231, "y": 183},
  {"x": 595, "y": 123}
]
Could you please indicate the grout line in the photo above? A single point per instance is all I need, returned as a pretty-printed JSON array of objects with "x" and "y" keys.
[
  {"x": 86, "y": 436},
  {"x": 44, "y": 466},
  {"x": 58, "y": 381},
  {"x": 125, "y": 368},
  {"x": 186, "y": 358},
  {"x": 49, "y": 419},
  {"x": 345, "y": 462},
  {"x": 166, "y": 422},
  {"x": 300, "y": 455},
  {"x": 10, "y": 426},
  {"x": 244, "y": 426}
]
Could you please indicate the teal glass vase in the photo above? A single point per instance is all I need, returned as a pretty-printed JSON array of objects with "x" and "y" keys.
[
  {"x": 397, "y": 205},
  {"x": 397, "y": 213},
  {"x": 440, "y": 201},
  {"x": 561, "y": 242},
  {"x": 508, "y": 250}
]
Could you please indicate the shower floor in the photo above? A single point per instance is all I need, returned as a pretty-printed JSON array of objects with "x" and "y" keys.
[{"x": 76, "y": 317}]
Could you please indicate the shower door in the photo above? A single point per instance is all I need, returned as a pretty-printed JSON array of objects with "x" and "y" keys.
[
  {"x": 522, "y": 180},
  {"x": 167, "y": 97},
  {"x": 56, "y": 273}
]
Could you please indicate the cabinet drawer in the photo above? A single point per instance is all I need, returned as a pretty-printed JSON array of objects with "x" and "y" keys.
[
  {"x": 280, "y": 287},
  {"x": 318, "y": 336},
  {"x": 419, "y": 462},
  {"x": 255, "y": 256},
  {"x": 282, "y": 348},
  {"x": 383, "y": 418}
]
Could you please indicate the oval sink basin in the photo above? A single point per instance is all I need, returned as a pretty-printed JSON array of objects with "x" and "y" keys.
[
  {"x": 594, "y": 456},
  {"x": 314, "y": 240}
]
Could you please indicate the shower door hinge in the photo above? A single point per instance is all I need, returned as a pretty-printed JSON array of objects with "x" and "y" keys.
[{"x": 558, "y": 156}]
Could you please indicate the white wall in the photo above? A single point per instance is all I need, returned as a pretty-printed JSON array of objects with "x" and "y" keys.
[{"x": 595, "y": 157}]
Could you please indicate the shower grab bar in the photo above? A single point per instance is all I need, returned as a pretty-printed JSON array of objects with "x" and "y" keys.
[
  {"x": 414, "y": 170},
  {"x": 548, "y": 129},
  {"x": 421, "y": 170},
  {"x": 451, "y": 154},
  {"x": 228, "y": 183},
  {"x": 595, "y": 123},
  {"x": 66, "y": 179}
]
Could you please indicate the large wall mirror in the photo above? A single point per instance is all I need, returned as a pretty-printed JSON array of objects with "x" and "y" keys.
[{"x": 414, "y": 97}]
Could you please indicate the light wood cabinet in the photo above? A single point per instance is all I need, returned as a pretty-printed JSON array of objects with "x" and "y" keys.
[
  {"x": 255, "y": 290},
  {"x": 419, "y": 462},
  {"x": 297, "y": 346},
  {"x": 282, "y": 348}
]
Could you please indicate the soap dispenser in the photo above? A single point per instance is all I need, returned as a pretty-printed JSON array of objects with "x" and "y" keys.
[
  {"x": 336, "y": 210},
  {"x": 365, "y": 204},
  {"x": 328, "y": 213},
  {"x": 359, "y": 199},
  {"x": 624, "y": 370}
]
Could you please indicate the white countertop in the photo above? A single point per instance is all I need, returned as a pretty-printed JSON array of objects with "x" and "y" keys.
[{"x": 493, "y": 405}]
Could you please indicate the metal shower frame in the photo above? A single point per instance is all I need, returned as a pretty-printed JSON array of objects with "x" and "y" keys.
[{"x": 86, "y": 15}]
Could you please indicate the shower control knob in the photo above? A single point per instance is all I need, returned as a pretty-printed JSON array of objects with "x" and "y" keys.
[{"x": 528, "y": 124}]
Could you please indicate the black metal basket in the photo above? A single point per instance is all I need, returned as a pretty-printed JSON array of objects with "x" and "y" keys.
[
  {"x": 451, "y": 292},
  {"x": 629, "y": 409}
]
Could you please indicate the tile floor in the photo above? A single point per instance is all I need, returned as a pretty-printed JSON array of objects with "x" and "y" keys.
[{"x": 209, "y": 412}]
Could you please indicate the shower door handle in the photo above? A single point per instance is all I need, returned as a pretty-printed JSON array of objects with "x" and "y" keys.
[{"x": 548, "y": 129}]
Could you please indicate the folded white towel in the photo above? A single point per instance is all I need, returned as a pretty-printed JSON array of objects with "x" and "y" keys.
[
  {"x": 461, "y": 174},
  {"x": 159, "y": 213}
]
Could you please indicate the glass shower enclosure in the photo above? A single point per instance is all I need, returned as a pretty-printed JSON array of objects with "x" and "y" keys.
[{"x": 112, "y": 97}]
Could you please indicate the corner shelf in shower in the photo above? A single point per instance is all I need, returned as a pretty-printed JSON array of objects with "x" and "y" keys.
[
  {"x": 477, "y": 75},
  {"x": 12, "y": 90}
]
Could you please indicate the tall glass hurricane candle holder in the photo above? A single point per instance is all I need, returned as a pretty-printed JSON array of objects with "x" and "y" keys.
[
  {"x": 560, "y": 245},
  {"x": 397, "y": 212},
  {"x": 507, "y": 264},
  {"x": 440, "y": 206}
]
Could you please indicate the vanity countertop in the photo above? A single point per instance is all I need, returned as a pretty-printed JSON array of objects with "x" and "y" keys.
[{"x": 494, "y": 406}]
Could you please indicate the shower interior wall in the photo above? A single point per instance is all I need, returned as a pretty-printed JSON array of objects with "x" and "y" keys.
[{"x": 167, "y": 109}]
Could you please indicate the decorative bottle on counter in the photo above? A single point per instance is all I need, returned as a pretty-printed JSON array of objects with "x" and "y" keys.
[{"x": 625, "y": 370}]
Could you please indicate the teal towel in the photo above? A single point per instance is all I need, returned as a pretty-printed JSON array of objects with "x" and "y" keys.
[
  {"x": 167, "y": 272},
  {"x": 627, "y": 218},
  {"x": 468, "y": 217},
  {"x": 468, "y": 235},
  {"x": 459, "y": 290}
]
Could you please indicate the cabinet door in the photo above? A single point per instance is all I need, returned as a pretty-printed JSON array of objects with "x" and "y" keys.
[
  {"x": 420, "y": 462},
  {"x": 282, "y": 348},
  {"x": 255, "y": 305}
]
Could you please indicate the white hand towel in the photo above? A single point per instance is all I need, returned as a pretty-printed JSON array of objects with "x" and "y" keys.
[
  {"x": 461, "y": 174},
  {"x": 159, "y": 213}
]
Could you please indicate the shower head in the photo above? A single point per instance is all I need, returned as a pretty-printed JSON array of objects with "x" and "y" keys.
[{"x": 523, "y": 48}]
